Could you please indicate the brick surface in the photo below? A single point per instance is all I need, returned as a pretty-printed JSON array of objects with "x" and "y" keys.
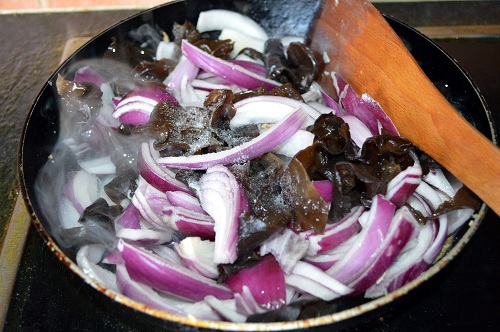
[
  {"x": 101, "y": 3},
  {"x": 20, "y": 4}
]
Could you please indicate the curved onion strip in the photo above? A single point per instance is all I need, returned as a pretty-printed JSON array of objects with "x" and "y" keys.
[
  {"x": 185, "y": 200},
  {"x": 334, "y": 234},
  {"x": 142, "y": 293},
  {"x": 160, "y": 177},
  {"x": 198, "y": 255},
  {"x": 402, "y": 226},
  {"x": 268, "y": 109},
  {"x": 265, "y": 142},
  {"x": 378, "y": 220},
  {"x": 222, "y": 197},
  {"x": 287, "y": 247},
  {"x": 265, "y": 281},
  {"x": 229, "y": 71},
  {"x": 220, "y": 19},
  {"x": 151, "y": 270}
]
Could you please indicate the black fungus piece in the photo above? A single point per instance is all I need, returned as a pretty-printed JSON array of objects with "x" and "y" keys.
[
  {"x": 185, "y": 31},
  {"x": 285, "y": 90},
  {"x": 309, "y": 209},
  {"x": 156, "y": 70},
  {"x": 268, "y": 211},
  {"x": 220, "y": 105},
  {"x": 128, "y": 53},
  {"x": 101, "y": 213},
  {"x": 147, "y": 36},
  {"x": 178, "y": 130},
  {"x": 81, "y": 100},
  {"x": 252, "y": 53},
  {"x": 218, "y": 48},
  {"x": 299, "y": 67},
  {"x": 356, "y": 177},
  {"x": 122, "y": 186},
  {"x": 304, "y": 65},
  {"x": 332, "y": 132},
  {"x": 97, "y": 225},
  {"x": 275, "y": 61}
]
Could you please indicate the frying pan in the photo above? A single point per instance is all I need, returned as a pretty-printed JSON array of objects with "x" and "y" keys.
[{"x": 279, "y": 18}]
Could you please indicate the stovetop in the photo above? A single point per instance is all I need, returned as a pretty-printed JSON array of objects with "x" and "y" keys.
[{"x": 463, "y": 297}]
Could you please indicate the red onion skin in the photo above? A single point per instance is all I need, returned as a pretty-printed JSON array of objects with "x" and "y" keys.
[
  {"x": 229, "y": 71},
  {"x": 360, "y": 255},
  {"x": 266, "y": 282},
  {"x": 402, "y": 226},
  {"x": 165, "y": 276},
  {"x": 161, "y": 178}
]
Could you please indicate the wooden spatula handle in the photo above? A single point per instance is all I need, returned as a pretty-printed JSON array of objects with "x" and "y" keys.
[{"x": 369, "y": 55}]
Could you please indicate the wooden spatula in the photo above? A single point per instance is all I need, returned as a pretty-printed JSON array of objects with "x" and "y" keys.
[{"x": 369, "y": 55}]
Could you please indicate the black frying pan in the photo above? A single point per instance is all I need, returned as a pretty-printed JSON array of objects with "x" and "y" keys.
[{"x": 279, "y": 18}]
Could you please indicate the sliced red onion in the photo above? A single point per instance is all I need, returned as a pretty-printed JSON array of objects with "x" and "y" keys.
[
  {"x": 225, "y": 309},
  {"x": 457, "y": 218},
  {"x": 135, "y": 108},
  {"x": 87, "y": 259},
  {"x": 331, "y": 103},
  {"x": 220, "y": 19},
  {"x": 403, "y": 185},
  {"x": 142, "y": 293},
  {"x": 268, "y": 109},
  {"x": 402, "y": 226},
  {"x": 324, "y": 187},
  {"x": 89, "y": 75},
  {"x": 324, "y": 261},
  {"x": 359, "y": 131},
  {"x": 198, "y": 255},
  {"x": 246, "y": 304},
  {"x": 310, "y": 287},
  {"x": 68, "y": 214},
  {"x": 113, "y": 258},
  {"x": 190, "y": 96},
  {"x": 167, "y": 50},
  {"x": 209, "y": 86},
  {"x": 364, "y": 108},
  {"x": 188, "y": 222},
  {"x": 438, "y": 180},
  {"x": 429, "y": 195},
  {"x": 129, "y": 218},
  {"x": 222, "y": 197},
  {"x": 160, "y": 177},
  {"x": 229, "y": 71},
  {"x": 298, "y": 142},
  {"x": 153, "y": 271},
  {"x": 145, "y": 237},
  {"x": 334, "y": 234},
  {"x": 99, "y": 166},
  {"x": 408, "y": 265},
  {"x": 265, "y": 142},
  {"x": 370, "y": 238},
  {"x": 185, "y": 200},
  {"x": 81, "y": 190},
  {"x": 265, "y": 281},
  {"x": 437, "y": 245},
  {"x": 150, "y": 203},
  {"x": 184, "y": 69},
  {"x": 323, "y": 285},
  {"x": 287, "y": 247},
  {"x": 167, "y": 253},
  {"x": 252, "y": 66}
]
